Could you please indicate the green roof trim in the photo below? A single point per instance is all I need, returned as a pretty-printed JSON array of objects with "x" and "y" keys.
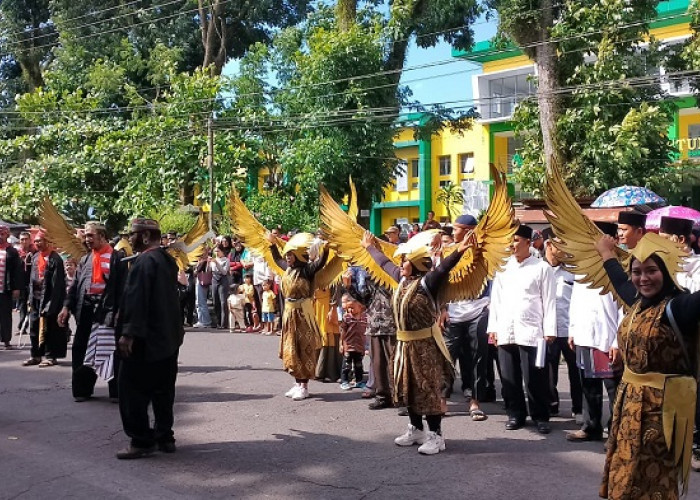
[
  {"x": 405, "y": 144},
  {"x": 485, "y": 51},
  {"x": 397, "y": 204}
]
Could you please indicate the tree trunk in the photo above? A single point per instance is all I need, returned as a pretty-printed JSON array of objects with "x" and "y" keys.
[
  {"x": 547, "y": 86},
  {"x": 212, "y": 22},
  {"x": 346, "y": 14}
]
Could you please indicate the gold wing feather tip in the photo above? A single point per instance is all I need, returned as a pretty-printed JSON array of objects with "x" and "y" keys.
[
  {"x": 344, "y": 234},
  {"x": 576, "y": 235},
  {"x": 251, "y": 232},
  {"x": 493, "y": 235},
  {"x": 59, "y": 232}
]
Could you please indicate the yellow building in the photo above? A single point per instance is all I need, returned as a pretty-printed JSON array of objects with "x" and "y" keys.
[{"x": 503, "y": 82}]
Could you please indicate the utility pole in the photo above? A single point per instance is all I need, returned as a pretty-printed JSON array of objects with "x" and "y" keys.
[{"x": 210, "y": 165}]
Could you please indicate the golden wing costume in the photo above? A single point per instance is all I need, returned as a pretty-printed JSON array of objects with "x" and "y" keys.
[
  {"x": 577, "y": 236},
  {"x": 493, "y": 236},
  {"x": 188, "y": 249},
  {"x": 61, "y": 234},
  {"x": 252, "y": 233}
]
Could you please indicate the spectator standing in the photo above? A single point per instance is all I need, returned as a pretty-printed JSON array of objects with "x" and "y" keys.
[
  {"x": 204, "y": 280},
  {"x": 47, "y": 291},
  {"x": 352, "y": 337},
  {"x": 150, "y": 333},
  {"x": 219, "y": 267},
  {"x": 235, "y": 309},
  {"x": 252, "y": 316},
  {"x": 10, "y": 284},
  {"x": 560, "y": 347},
  {"x": 522, "y": 313},
  {"x": 26, "y": 250},
  {"x": 269, "y": 303},
  {"x": 431, "y": 223}
]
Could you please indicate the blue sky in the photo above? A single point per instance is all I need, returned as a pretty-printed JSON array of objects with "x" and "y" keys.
[
  {"x": 456, "y": 85},
  {"x": 451, "y": 81}
]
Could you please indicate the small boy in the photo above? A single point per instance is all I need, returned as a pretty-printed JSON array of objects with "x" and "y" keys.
[
  {"x": 352, "y": 337},
  {"x": 236, "y": 303},
  {"x": 249, "y": 310},
  {"x": 269, "y": 302}
]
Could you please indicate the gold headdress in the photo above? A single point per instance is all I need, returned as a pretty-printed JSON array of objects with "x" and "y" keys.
[
  {"x": 417, "y": 250},
  {"x": 672, "y": 254},
  {"x": 299, "y": 246}
]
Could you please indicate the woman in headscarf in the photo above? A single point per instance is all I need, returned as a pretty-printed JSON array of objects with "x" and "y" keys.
[
  {"x": 301, "y": 338},
  {"x": 421, "y": 359},
  {"x": 649, "y": 448}
]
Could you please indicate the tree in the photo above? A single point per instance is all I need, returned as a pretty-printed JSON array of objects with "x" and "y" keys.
[
  {"x": 451, "y": 197},
  {"x": 586, "y": 118}
]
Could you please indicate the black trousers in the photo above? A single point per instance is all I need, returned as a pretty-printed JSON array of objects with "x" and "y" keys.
[
  {"x": 188, "y": 306},
  {"x": 472, "y": 336},
  {"x": 382, "y": 347},
  {"x": 518, "y": 366},
  {"x": 84, "y": 377},
  {"x": 219, "y": 294},
  {"x": 593, "y": 402},
  {"x": 55, "y": 337},
  {"x": 352, "y": 361},
  {"x": 560, "y": 347},
  {"x": 491, "y": 361},
  {"x": 6, "y": 316},
  {"x": 142, "y": 383}
]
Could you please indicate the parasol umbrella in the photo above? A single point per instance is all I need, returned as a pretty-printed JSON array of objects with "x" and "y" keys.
[
  {"x": 627, "y": 196},
  {"x": 654, "y": 217}
]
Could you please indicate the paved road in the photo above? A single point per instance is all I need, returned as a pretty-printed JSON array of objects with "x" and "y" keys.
[{"x": 238, "y": 436}]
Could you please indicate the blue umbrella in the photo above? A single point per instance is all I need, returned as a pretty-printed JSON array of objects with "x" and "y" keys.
[{"x": 627, "y": 196}]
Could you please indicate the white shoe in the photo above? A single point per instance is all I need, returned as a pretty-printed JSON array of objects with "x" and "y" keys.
[
  {"x": 578, "y": 417},
  {"x": 411, "y": 437},
  {"x": 302, "y": 393},
  {"x": 433, "y": 445},
  {"x": 291, "y": 392}
]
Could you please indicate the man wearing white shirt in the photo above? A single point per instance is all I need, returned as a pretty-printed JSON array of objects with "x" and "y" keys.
[
  {"x": 560, "y": 347},
  {"x": 593, "y": 326},
  {"x": 523, "y": 311}
]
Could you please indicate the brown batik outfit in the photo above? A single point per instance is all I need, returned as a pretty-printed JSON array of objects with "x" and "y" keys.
[{"x": 639, "y": 464}]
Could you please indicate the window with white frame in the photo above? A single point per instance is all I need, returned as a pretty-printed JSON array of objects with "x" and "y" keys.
[
  {"x": 445, "y": 163},
  {"x": 466, "y": 163}
]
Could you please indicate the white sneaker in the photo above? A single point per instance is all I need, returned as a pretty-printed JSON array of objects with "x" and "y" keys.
[
  {"x": 433, "y": 445},
  {"x": 411, "y": 437},
  {"x": 302, "y": 393},
  {"x": 291, "y": 392}
]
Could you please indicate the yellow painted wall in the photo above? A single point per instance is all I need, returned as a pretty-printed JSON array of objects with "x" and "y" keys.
[
  {"x": 685, "y": 144},
  {"x": 504, "y": 64},
  {"x": 389, "y": 215},
  {"x": 676, "y": 30}
]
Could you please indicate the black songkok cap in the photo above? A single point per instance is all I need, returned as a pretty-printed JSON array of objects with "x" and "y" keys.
[
  {"x": 524, "y": 231},
  {"x": 632, "y": 219},
  {"x": 674, "y": 225},
  {"x": 609, "y": 228}
]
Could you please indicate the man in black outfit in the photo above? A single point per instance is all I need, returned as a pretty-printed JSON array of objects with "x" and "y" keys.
[
  {"x": 10, "y": 284},
  {"x": 93, "y": 298},
  {"x": 150, "y": 332}
]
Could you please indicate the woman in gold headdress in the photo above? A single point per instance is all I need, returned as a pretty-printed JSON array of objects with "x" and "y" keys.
[
  {"x": 421, "y": 357},
  {"x": 650, "y": 442},
  {"x": 650, "y": 438}
]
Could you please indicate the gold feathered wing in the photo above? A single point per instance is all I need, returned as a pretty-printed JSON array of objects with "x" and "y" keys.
[
  {"x": 493, "y": 236},
  {"x": 577, "y": 236},
  {"x": 61, "y": 234},
  {"x": 332, "y": 271},
  {"x": 344, "y": 234},
  {"x": 251, "y": 232},
  {"x": 190, "y": 247},
  {"x": 353, "y": 210}
]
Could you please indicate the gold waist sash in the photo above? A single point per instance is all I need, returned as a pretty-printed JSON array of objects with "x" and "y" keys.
[
  {"x": 678, "y": 412},
  {"x": 424, "y": 333}
]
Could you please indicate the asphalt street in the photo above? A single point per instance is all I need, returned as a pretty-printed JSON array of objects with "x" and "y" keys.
[{"x": 239, "y": 437}]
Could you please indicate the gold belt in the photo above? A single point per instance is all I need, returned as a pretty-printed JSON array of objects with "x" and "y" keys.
[
  {"x": 677, "y": 410},
  {"x": 425, "y": 333}
]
